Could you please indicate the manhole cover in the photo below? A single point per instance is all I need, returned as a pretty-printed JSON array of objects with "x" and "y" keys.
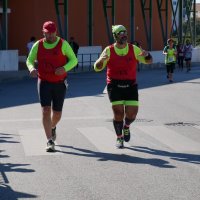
[
  {"x": 143, "y": 120},
  {"x": 181, "y": 124},
  {"x": 137, "y": 120}
]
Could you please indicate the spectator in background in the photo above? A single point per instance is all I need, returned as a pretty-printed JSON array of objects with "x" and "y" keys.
[
  {"x": 30, "y": 43},
  {"x": 170, "y": 58},
  {"x": 180, "y": 55},
  {"x": 188, "y": 54},
  {"x": 75, "y": 46}
]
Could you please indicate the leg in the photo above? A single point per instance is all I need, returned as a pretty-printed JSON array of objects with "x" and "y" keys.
[
  {"x": 167, "y": 68},
  {"x": 56, "y": 116},
  {"x": 130, "y": 115},
  {"x": 58, "y": 101},
  {"x": 45, "y": 96},
  {"x": 131, "y": 110},
  {"x": 171, "y": 71},
  {"x": 179, "y": 61},
  {"x": 46, "y": 120},
  {"x": 182, "y": 63},
  {"x": 118, "y": 111},
  {"x": 189, "y": 65}
]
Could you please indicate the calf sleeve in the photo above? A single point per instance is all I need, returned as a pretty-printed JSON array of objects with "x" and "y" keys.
[
  {"x": 128, "y": 122},
  {"x": 118, "y": 125}
]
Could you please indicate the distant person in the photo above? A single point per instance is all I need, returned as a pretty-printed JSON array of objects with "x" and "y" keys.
[
  {"x": 180, "y": 55},
  {"x": 170, "y": 58},
  {"x": 30, "y": 44},
  {"x": 188, "y": 54},
  {"x": 55, "y": 58},
  {"x": 75, "y": 46}
]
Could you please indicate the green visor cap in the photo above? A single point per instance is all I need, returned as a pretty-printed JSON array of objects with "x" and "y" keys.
[{"x": 118, "y": 28}]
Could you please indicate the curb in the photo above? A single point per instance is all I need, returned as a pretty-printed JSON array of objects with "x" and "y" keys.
[{"x": 7, "y": 76}]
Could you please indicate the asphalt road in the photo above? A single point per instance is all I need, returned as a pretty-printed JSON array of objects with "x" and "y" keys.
[{"x": 161, "y": 161}]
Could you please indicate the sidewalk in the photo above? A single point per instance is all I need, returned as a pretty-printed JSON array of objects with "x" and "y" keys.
[{"x": 23, "y": 73}]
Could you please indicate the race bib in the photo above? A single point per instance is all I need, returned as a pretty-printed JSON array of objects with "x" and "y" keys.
[{"x": 171, "y": 59}]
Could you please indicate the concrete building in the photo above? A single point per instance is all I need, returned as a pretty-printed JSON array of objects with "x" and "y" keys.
[{"x": 27, "y": 16}]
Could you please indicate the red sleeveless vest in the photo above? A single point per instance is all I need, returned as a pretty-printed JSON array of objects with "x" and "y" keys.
[
  {"x": 121, "y": 67},
  {"x": 49, "y": 60}
]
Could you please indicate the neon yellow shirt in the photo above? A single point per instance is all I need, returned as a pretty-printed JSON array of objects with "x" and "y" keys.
[
  {"x": 121, "y": 52},
  {"x": 66, "y": 50}
]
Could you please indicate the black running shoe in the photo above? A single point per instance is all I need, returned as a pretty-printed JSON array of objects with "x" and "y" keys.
[
  {"x": 50, "y": 146},
  {"x": 53, "y": 133},
  {"x": 120, "y": 143},
  {"x": 127, "y": 134}
]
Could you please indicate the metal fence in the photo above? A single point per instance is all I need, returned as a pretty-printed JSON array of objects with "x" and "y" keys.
[{"x": 86, "y": 61}]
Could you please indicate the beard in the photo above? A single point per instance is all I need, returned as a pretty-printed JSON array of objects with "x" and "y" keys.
[{"x": 122, "y": 40}]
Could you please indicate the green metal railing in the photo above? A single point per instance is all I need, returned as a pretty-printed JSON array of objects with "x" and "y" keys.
[
  {"x": 165, "y": 8},
  {"x": 4, "y": 25}
]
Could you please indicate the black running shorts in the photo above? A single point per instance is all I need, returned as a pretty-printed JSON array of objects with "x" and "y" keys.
[
  {"x": 123, "y": 92},
  {"x": 51, "y": 94}
]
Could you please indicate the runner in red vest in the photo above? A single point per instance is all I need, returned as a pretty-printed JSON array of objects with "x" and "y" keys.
[
  {"x": 121, "y": 60},
  {"x": 54, "y": 58}
]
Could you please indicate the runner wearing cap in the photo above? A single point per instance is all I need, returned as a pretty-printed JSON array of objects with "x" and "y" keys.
[
  {"x": 121, "y": 60},
  {"x": 54, "y": 58}
]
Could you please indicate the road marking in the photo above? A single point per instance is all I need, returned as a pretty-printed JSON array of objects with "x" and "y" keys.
[
  {"x": 63, "y": 118},
  {"x": 103, "y": 139},
  {"x": 170, "y": 138},
  {"x": 198, "y": 127},
  {"x": 105, "y": 90},
  {"x": 34, "y": 142}
]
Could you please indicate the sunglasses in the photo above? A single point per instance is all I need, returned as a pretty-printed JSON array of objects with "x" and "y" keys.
[{"x": 122, "y": 33}]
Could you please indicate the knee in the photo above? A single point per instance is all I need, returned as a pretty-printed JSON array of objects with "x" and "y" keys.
[
  {"x": 57, "y": 115},
  {"x": 46, "y": 111},
  {"x": 119, "y": 115}
]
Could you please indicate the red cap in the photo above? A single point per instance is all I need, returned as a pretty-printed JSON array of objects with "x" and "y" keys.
[{"x": 49, "y": 27}]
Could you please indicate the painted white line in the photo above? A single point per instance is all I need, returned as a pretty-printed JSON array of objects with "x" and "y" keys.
[
  {"x": 103, "y": 139},
  {"x": 198, "y": 127},
  {"x": 34, "y": 142},
  {"x": 63, "y": 118},
  {"x": 170, "y": 138},
  {"x": 105, "y": 90}
]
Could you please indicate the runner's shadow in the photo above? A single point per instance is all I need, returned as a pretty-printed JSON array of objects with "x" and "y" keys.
[
  {"x": 117, "y": 157},
  {"x": 183, "y": 157},
  {"x": 6, "y": 192},
  {"x": 3, "y": 156},
  {"x": 4, "y": 138}
]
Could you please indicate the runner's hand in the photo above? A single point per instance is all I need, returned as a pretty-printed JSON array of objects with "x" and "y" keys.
[
  {"x": 104, "y": 57},
  {"x": 60, "y": 71},
  {"x": 33, "y": 73},
  {"x": 143, "y": 53}
]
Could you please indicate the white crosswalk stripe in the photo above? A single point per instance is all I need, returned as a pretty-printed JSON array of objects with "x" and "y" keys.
[
  {"x": 172, "y": 139},
  {"x": 34, "y": 142},
  {"x": 103, "y": 139}
]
